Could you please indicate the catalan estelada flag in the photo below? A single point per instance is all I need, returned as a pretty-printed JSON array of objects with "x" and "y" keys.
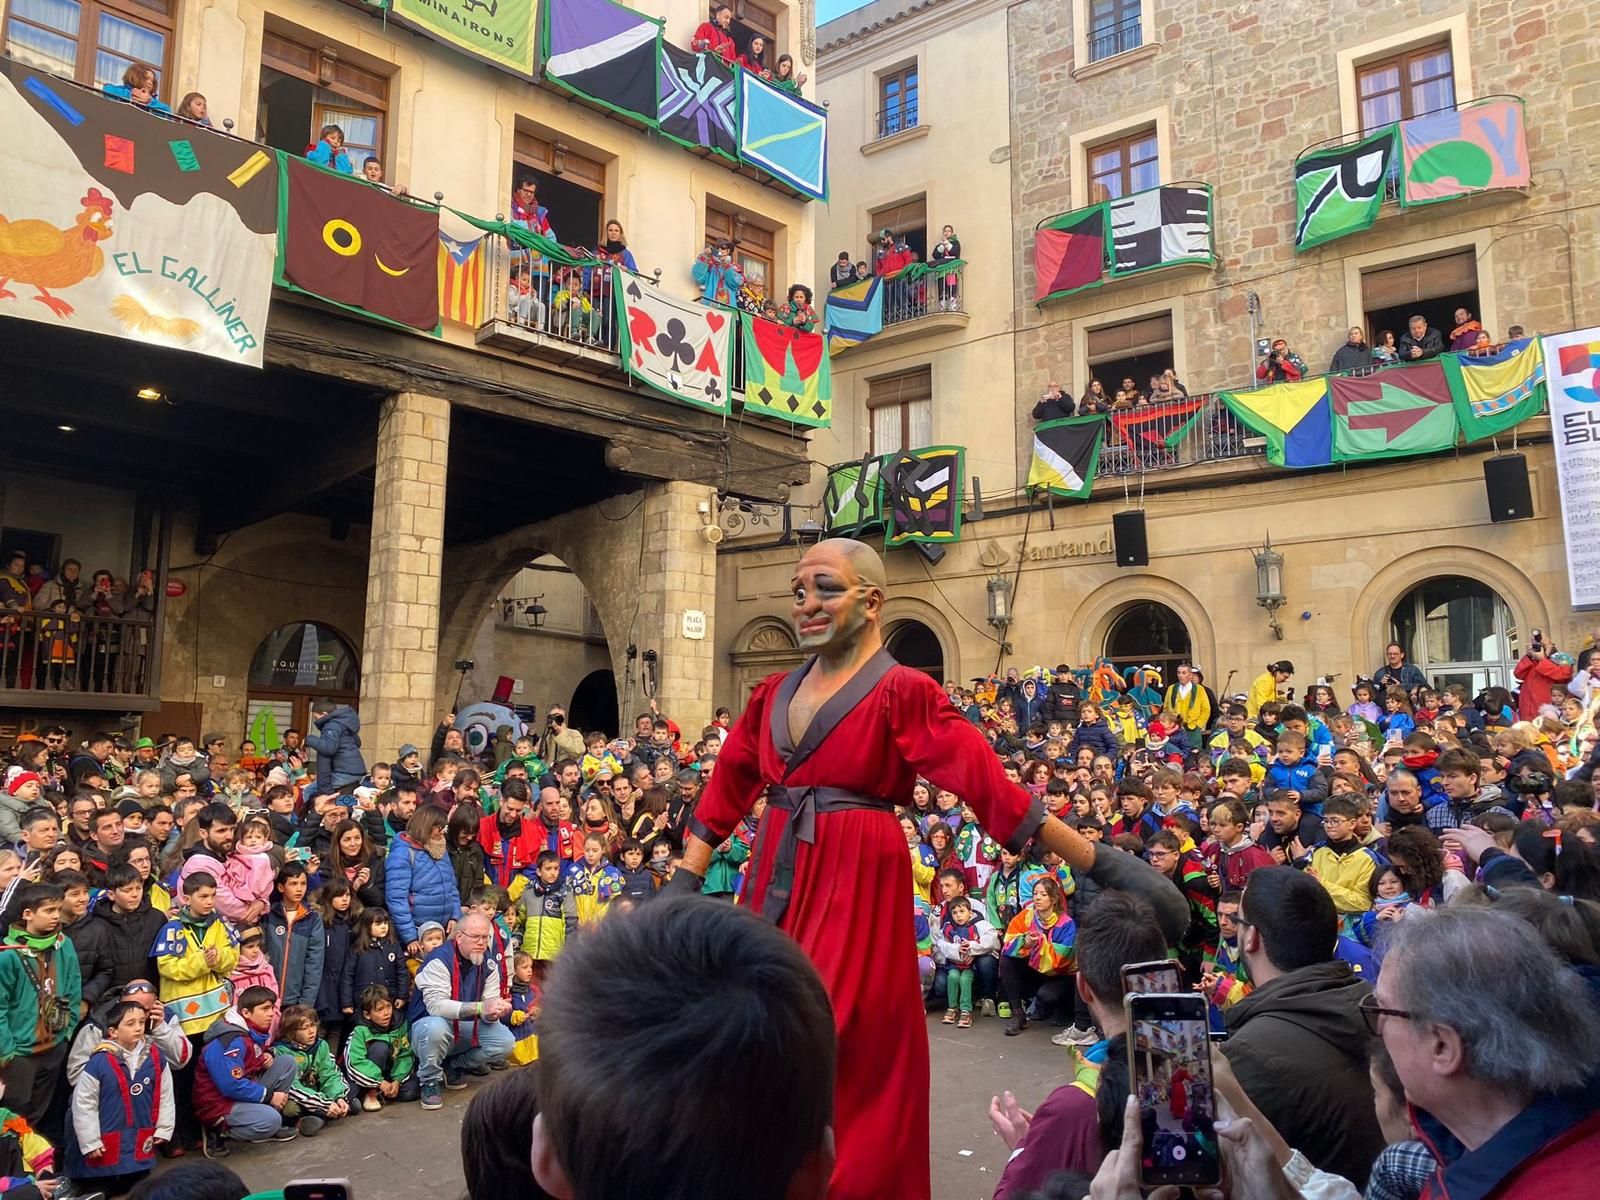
[
  {"x": 461, "y": 279},
  {"x": 1295, "y": 418}
]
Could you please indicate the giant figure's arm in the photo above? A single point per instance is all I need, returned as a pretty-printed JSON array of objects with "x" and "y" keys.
[{"x": 734, "y": 786}]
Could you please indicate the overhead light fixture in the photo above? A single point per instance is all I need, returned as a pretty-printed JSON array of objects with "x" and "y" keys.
[
  {"x": 1269, "y": 584},
  {"x": 67, "y": 428},
  {"x": 152, "y": 394}
]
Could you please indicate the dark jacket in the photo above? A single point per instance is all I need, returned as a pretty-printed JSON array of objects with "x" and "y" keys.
[
  {"x": 1431, "y": 343},
  {"x": 295, "y": 952},
  {"x": 338, "y": 746},
  {"x": 1323, "y": 1104},
  {"x": 1117, "y": 870},
  {"x": 114, "y": 948},
  {"x": 1349, "y": 358},
  {"x": 1061, "y": 701},
  {"x": 1099, "y": 737},
  {"x": 1054, "y": 408},
  {"x": 382, "y": 962},
  {"x": 335, "y": 994},
  {"x": 1028, "y": 710}
]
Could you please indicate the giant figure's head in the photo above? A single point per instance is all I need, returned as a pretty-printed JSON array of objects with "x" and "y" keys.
[{"x": 838, "y": 596}]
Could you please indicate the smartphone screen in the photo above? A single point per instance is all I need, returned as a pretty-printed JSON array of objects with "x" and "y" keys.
[
  {"x": 1169, "y": 1056},
  {"x": 317, "y": 1189},
  {"x": 1158, "y": 976}
]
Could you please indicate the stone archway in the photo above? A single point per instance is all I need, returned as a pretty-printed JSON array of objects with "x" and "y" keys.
[
  {"x": 765, "y": 646},
  {"x": 916, "y": 646},
  {"x": 1102, "y": 608}
]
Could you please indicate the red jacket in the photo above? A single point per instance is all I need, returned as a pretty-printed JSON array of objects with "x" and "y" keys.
[
  {"x": 893, "y": 262},
  {"x": 1546, "y": 1152},
  {"x": 1538, "y": 676},
  {"x": 711, "y": 37},
  {"x": 504, "y": 856}
]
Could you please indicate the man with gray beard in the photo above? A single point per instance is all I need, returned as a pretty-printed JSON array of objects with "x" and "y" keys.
[{"x": 456, "y": 1010}]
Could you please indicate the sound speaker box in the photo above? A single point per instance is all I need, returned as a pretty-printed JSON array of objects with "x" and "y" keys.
[
  {"x": 1127, "y": 532},
  {"x": 1506, "y": 480}
]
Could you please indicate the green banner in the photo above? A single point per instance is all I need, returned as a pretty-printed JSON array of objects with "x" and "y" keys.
[{"x": 500, "y": 32}]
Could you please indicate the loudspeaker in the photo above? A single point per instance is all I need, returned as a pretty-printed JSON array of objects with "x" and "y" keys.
[
  {"x": 934, "y": 554},
  {"x": 1127, "y": 531},
  {"x": 1506, "y": 480}
]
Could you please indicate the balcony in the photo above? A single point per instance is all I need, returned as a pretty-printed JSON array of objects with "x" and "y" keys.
[
  {"x": 932, "y": 301},
  {"x": 563, "y": 315},
  {"x": 66, "y": 660},
  {"x": 1168, "y": 436},
  {"x": 1109, "y": 40}
]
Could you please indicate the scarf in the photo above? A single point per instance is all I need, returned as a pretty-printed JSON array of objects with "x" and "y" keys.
[
  {"x": 614, "y": 247},
  {"x": 40, "y": 944}
]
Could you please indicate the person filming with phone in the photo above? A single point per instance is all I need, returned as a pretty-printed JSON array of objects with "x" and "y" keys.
[
  {"x": 1539, "y": 670},
  {"x": 1281, "y": 364}
]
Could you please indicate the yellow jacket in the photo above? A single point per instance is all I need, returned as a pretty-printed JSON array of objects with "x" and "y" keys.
[
  {"x": 1346, "y": 876},
  {"x": 1193, "y": 710},
  {"x": 1262, "y": 691},
  {"x": 195, "y": 992}
]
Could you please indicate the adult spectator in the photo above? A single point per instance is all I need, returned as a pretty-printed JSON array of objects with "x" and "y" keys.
[
  {"x": 216, "y": 824},
  {"x": 67, "y": 587},
  {"x": 456, "y": 1009},
  {"x": 419, "y": 880},
  {"x": 1187, "y": 700},
  {"x": 509, "y": 840},
  {"x": 1468, "y": 332},
  {"x": 1304, "y": 1011},
  {"x": 1281, "y": 364},
  {"x": 1539, "y": 670},
  {"x": 1054, "y": 404},
  {"x": 1166, "y": 388},
  {"x": 526, "y": 209},
  {"x": 1354, "y": 354},
  {"x": 1265, "y": 688},
  {"x": 717, "y": 274},
  {"x": 338, "y": 745},
  {"x": 744, "y": 1074},
  {"x": 1496, "y": 1051},
  {"x": 560, "y": 739},
  {"x": 842, "y": 272},
  {"x": 1397, "y": 672},
  {"x": 1064, "y": 1132},
  {"x": 712, "y": 37},
  {"x": 1420, "y": 340}
]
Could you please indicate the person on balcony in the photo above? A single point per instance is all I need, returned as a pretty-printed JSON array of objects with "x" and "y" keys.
[
  {"x": 1166, "y": 388},
  {"x": 713, "y": 37},
  {"x": 842, "y": 272},
  {"x": 1054, "y": 405},
  {"x": 67, "y": 586},
  {"x": 372, "y": 172},
  {"x": 1281, "y": 364},
  {"x": 797, "y": 312},
  {"x": 329, "y": 151},
  {"x": 892, "y": 257},
  {"x": 717, "y": 274},
  {"x": 1420, "y": 340},
  {"x": 1355, "y": 353},
  {"x": 754, "y": 58},
  {"x": 522, "y": 302},
  {"x": 785, "y": 77},
  {"x": 138, "y": 86},
  {"x": 15, "y": 596},
  {"x": 1387, "y": 350},
  {"x": 1465, "y": 335},
  {"x": 528, "y": 212},
  {"x": 613, "y": 252},
  {"x": 947, "y": 249}
]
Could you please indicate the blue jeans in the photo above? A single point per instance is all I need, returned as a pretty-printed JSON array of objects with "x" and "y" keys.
[
  {"x": 440, "y": 1043},
  {"x": 258, "y": 1122}
]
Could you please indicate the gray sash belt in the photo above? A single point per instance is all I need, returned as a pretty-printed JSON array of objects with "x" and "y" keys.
[{"x": 803, "y": 804}]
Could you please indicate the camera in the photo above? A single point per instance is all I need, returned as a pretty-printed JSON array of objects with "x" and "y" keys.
[
  {"x": 1534, "y": 783},
  {"x": 464, "y": 664},
  {"x": 1538, "y": 639}
]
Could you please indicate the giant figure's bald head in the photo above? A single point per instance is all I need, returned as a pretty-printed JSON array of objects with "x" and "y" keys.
[{"x": 838, "y": 595}]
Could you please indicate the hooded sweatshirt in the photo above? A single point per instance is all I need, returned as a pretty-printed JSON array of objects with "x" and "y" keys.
[
  {"x": 233, "y": 1054},
  {"x": 1309, "y": 1017}
]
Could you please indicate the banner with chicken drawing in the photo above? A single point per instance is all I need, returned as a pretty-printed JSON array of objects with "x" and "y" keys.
[
  {"x": 116, "y": 221},
  {"x": 677, "y": 347}
]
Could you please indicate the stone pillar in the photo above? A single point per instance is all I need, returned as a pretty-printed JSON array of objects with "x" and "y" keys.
[
  {"x": 678, "y": 573},
  {"x": 407, "y": 552}
]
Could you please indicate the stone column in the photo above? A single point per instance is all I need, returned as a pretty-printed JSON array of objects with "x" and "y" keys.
[
  {"x": 678, "y": 573},
  {"x": 407, "y": 551}
]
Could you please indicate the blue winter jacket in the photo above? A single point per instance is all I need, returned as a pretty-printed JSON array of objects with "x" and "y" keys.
[
  {"x": 338, "y": 746},
  {"x": 1099, "y": 737},
  {"x": 296, "y": 954},
  {"x": 418, "y": 888},
  {"x": 325, "y": 155},
  {"x": 1029, "y": 709}
]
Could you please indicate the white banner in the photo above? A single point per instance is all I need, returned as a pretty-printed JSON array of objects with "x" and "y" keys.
[
  {"x": 679, "y": 347},
  {"x": 1572, "y": 372}
]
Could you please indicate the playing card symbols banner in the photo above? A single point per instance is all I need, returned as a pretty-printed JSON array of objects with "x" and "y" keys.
[
  {"x": 678, "y": 347},
  {"x": 922, "y": 495},
  {"x": 786, "y": 373}
]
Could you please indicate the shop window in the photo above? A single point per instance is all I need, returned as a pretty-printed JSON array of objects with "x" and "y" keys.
[
  {"x": 901, "y": 411},
  {"x": 92, "y": 41}
]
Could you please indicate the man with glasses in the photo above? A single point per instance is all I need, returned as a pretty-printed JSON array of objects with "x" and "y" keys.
[
  {"x": 1297, "y": 1042},
  {"x": 1397, "y": 672},
  {"x": 1498, "y": 1064},
  {"x": 456, "y": 1010},
  {"x": 560, "y": 739}
]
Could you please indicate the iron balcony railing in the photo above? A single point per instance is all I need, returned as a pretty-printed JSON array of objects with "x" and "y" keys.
[
  {"x": 909, "y": 299},
  {"x": 1106, "y": 41},
  {"x": 566, "y": 304},
  {"x": 1170, "y": 434},
  {"x": 69, "y": 654},
  {"x": 897, "y": 119}
]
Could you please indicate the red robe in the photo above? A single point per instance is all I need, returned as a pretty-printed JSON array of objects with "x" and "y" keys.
[{"x": 848, "y": 905}]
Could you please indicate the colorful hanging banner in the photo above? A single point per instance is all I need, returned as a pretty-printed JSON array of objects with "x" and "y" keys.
[
  {"x": 1477, "y": 148},
  {"x": 853, "y": 313},
  {"x": 461, "y": 274},
  {"x": 500, "y": 32},
  {"x": 922, "y": 495},
  {"x": 698, "y": 103},
  {"x": 1493, "y": 392},
  {"x": 1393, "y": 413},
  {"x": 1069, "y": 253},
  {"x": 1066, "y": 455},
  {"x": 1572, "y": 369},
  {"x": 604, "y": 52},
  {"x": 783, "y": 135},
  {"x": 1160, "y": 227},
  {"x": 678, "y": 347},
  {"x": 1295, "y": 418},
  {"x": 357, "y": 246},
  {"x": 852, "y": 499},
  {"x": 786, "y": 372},
  {"x": 1151, "y": 428},
  {"x": 1339, "y": 189},
  {"x": 118, "y": 222}
]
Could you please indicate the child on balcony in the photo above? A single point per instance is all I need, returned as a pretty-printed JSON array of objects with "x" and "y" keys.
[{"x": 522, "y": 302}]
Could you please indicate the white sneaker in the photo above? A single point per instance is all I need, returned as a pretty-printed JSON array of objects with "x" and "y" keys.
[
  {"x": 986, "y": 1008},
  {"x": 1073, "y": 1036}
]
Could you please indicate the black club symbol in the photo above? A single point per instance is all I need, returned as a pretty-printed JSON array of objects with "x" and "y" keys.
[
  {"x": 674, "y": 344},
  {"x": 713, "y": 392}
]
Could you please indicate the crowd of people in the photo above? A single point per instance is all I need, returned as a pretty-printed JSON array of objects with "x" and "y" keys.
[
  {"x": 54, "y": 632},
  {"x": 208, "y": 944}
]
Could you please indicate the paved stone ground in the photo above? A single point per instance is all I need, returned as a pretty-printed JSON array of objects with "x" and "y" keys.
[{"x": 403, "y": 1152}]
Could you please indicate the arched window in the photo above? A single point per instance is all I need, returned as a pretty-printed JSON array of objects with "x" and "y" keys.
[
  {"x": 294, "y": 664},
  {"x": 1148, "y": 632},
  {"x": 1457, "y": 630},
  {"x": 916, "y": 646}
]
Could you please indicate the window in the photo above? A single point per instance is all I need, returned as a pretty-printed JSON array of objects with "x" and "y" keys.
[
  {"x": 1148, "y": 632},
  {"x": 897, "y": 100},
  {"x": 1114, "y": 28},
  {"x": 908, "y": 220},
  {"x": 750, "y": 19},
  {"x": 901, "y": 409},
  {"x": 753, "y": 246},
  {"x": 571, "y": 185},
  {"x": 1129, "y": 164},
  {"x": 1432, "y": 287},
  {"x": 303, "y": 89},
  {"x": 1133, "y": 350},
  {"x": 1457, "y": 630},
  {"x": 1406, "y": 85},
  {"x": 92, "y": 41}
]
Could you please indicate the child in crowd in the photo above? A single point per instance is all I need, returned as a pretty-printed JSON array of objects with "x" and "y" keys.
[
  {"x": 638, "y": 884},
  {"x": 430, "y": 936},
  {"x": 195, "y": 954},
  {"x": 962, "y": 936},
  {"x": 524, "y": 1017},
  {"x": 340, "y": 909},
  {"x": 378, "y": 1058},
  {"x": 1341, "y": 863},
  {"x": 1397, "y": 720},
  {"x": 547, "y": 910},
  {"x": 376, "y": 958},
  {"x": 294, "y": 938},
  {"x": 241, "y": 1087},
  {"x": 597, "y": 883},
  {"x": 318, "y": 1092},
  {"x": 1390, "y": 902},
  {"x": 1291, "y": 772},
  {"x": 244, "y": 893},
  {"x": 597, "y": 755},
  {"x": 253, "y": 969},
  {"x": 27, "y": 1160}
]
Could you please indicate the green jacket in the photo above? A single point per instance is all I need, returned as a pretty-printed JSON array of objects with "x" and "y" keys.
[
  {"x": 31, "y": 1023},
  {"x": 359, "y": 1065},
  {"x": 317, "y": 1072},
  {"x": 722, "y": 874}
]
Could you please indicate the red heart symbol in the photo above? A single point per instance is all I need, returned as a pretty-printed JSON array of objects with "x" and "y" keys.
[{"x": 715, "y": 321}]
